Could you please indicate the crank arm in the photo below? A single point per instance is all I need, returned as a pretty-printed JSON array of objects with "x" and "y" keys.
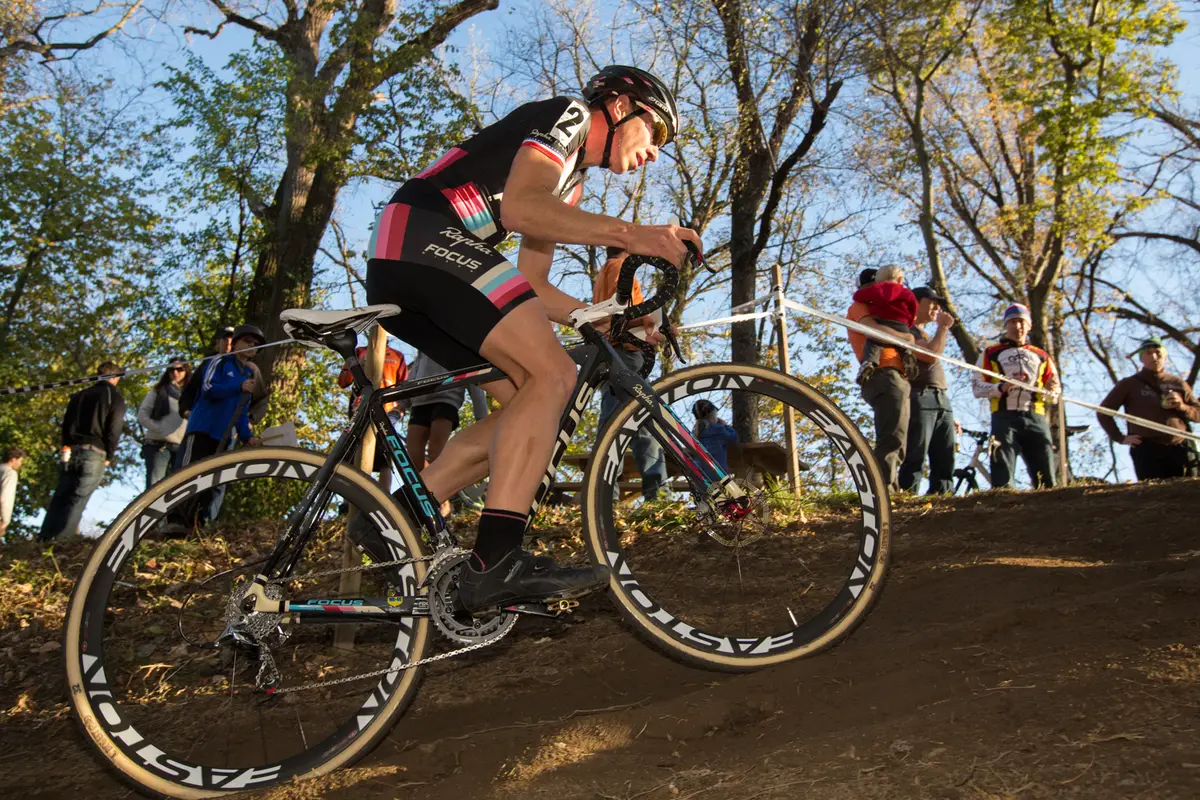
[{"x": 553, "y": 609}]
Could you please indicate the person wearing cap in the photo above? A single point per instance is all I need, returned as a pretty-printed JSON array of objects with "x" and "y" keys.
[
  {"x": 226, "y": 387},
  {"x": 1158, "y": 396},
  {"x": 931, "y": 417},
  {"x": 160, "y": 419},
  {"x": 886, "y": 390},
  {"x": 1018, "y": 415}
]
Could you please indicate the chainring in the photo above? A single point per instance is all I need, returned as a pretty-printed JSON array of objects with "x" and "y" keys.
[{"x": 456, "y": 625}]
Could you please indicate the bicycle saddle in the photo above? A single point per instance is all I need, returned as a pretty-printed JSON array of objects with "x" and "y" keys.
[{"x": 311, "y": 327}]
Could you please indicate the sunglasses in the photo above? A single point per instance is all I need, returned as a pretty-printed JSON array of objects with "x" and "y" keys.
[
  {"x": 658, "y": 128},
  {"x": 178, "y": 369}
]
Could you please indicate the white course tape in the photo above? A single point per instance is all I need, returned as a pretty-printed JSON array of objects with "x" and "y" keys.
[
  {"x": 726, "y": 320},
  {"x": 878, "y": 335}
]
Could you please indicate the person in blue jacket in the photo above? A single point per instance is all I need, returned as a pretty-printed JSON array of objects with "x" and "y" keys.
[
  {"x": 223, "y": 403},
  {"x": 714, "y": 434}
]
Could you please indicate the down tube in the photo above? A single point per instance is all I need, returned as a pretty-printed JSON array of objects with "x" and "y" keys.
[{"x": 589, "y": 378}]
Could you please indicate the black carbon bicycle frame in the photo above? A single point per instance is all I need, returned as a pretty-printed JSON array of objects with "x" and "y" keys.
[{"x": 597, "y": 361}]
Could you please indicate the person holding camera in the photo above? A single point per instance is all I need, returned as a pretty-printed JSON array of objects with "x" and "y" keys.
[{"x": 1156, "y": 395}]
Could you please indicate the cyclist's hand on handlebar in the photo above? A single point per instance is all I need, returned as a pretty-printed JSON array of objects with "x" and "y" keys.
[
  {"x": 663, "y": 241},
  {"x": 957, "y": 428},
  {"x": 654, "y": 336}
]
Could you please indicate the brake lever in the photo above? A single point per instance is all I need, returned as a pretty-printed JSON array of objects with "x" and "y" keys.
[{"x": 674, "y": 343}]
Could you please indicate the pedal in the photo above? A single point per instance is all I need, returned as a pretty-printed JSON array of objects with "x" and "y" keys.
[{"x": 552, "y": 608}]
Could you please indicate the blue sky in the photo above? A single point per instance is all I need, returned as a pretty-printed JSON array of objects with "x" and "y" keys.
[{"x": 143, "y": 61}]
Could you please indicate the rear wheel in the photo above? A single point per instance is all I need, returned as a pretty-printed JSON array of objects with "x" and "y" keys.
[
  {"x": 175, "y": 703},
  {"x": 735, "y": 591}
]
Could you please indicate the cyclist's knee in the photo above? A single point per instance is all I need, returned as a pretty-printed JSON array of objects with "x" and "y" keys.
[{"x": 556, "y": 376}]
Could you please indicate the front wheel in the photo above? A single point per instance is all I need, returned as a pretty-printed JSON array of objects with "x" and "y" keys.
[
  {"x": 175, "y": 703},
  {"x": 792, "y": 577}
]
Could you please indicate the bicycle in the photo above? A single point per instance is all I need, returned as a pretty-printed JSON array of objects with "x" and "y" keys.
[
  {"x": 252, "y": 645},
  {"x": 984, "y": 445}
]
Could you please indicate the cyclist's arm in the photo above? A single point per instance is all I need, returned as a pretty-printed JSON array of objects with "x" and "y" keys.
[
  {"x": 534, "y": 261},
  {"x": 531, "y": 208}
]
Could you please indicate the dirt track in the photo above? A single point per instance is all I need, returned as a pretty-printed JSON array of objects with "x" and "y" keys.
[{"x": 1026, "y": 646}]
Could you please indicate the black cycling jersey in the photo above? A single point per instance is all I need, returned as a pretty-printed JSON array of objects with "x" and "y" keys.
[
  {"x": 432, "y": 251},
  {"x": 469, "y": 179}
]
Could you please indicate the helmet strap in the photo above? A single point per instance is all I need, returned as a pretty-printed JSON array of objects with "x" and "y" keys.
[{"x": 612, "y": 130}]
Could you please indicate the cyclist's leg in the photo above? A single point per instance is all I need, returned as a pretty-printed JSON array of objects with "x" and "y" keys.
[
  {"x": 524, "y": 434},
  {"x": 464, "y": 461},
  {"x": 417, "y": 440},
  {"x": 462, "y": 303}
]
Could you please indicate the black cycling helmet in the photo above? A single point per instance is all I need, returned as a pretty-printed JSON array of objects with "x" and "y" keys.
[
  {"x": 249, "y": 330},
  {"x": 643, "y": 87}
]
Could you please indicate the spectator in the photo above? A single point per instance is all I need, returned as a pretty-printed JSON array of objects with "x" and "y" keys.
[
  {"x": 434, "y": 416},
  {"x": 931, "y": 417},
  {"x": 222, "y": 342},
  {"x": 887, "y": 389},
  {"x": 395, "y": 370},
  {"x": 1158, "y": 396},
  {"x": 647, "y": 452},
  {"x": 13, "y": 458},
  {"x": 159, "y": 417},
  {"x": 226, "y": 388},
  {"x": 1018, "y": 415},
  {"x": 91, "y": 430},
  {"x": 713, "y": 433},
  {"x": 891, "y": 304}
]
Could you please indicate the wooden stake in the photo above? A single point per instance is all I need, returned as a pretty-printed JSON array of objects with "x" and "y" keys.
[
  {"x": 785, "y": 365},
  {"x": 351, "y": 582}
]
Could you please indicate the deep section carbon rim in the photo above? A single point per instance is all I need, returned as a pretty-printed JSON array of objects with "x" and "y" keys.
[
  {"x": 178, "y": 708},
  {"x": 740, "y": 591}
]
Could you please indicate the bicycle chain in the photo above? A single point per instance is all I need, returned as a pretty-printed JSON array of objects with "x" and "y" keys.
[
  {"x": 387, "y": 671},
  {"x": 272, "y": 673},
  {"x": 399, "y": 562}
]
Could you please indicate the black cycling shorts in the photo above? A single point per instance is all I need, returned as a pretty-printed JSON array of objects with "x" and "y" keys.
[
  {"x": 453, "y": 288},
  {"x": 426, "y": 414}
]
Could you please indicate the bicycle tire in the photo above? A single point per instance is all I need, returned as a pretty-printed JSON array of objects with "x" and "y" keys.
[
  {"x": 139, "y": 763},
  {"x": 657, "y": 626}
]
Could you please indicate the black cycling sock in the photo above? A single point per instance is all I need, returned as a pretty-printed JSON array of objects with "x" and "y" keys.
[{"x": 500, "y": 532}]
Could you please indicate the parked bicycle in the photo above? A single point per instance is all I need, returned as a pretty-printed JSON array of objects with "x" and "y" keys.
[{"x": 223, "y": 677}]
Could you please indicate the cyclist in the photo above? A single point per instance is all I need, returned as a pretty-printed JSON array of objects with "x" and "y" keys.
[{"x": 432, "y": 252}]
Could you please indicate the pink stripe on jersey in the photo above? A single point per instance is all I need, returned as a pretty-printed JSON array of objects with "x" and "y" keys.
[
  {"x": 541, "y": 148},
  {"x": 448, "y": 158},
  {"x": 389, "y": 236},
  {"x": 508, "y": 290},
  {"x": 466, "y": 199}
]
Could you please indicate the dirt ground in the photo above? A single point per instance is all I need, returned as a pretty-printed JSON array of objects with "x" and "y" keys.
[{"x": 1027, "y": 645}]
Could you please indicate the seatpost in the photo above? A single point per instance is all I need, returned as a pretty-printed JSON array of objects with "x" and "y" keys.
[{"x": 344, "y": 344}]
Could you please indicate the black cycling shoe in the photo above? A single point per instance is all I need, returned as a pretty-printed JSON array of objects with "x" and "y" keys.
[{"x": 522, "y": 577}]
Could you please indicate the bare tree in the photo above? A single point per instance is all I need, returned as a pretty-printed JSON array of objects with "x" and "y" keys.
[{"x": 61, "y": 30}]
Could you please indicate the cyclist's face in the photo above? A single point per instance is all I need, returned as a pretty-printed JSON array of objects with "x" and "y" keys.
[
  {"x": 1017, "y": 329},
  {"x": 634, "y": 144}
]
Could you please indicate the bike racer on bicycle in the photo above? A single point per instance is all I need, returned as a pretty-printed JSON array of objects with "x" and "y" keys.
[{"x": 432, "y": 252}]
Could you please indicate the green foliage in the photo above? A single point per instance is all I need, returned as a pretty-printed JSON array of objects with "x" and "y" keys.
[
  {"x": 1074, "y": 66},
  {"x": 78, "y": 270}
]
